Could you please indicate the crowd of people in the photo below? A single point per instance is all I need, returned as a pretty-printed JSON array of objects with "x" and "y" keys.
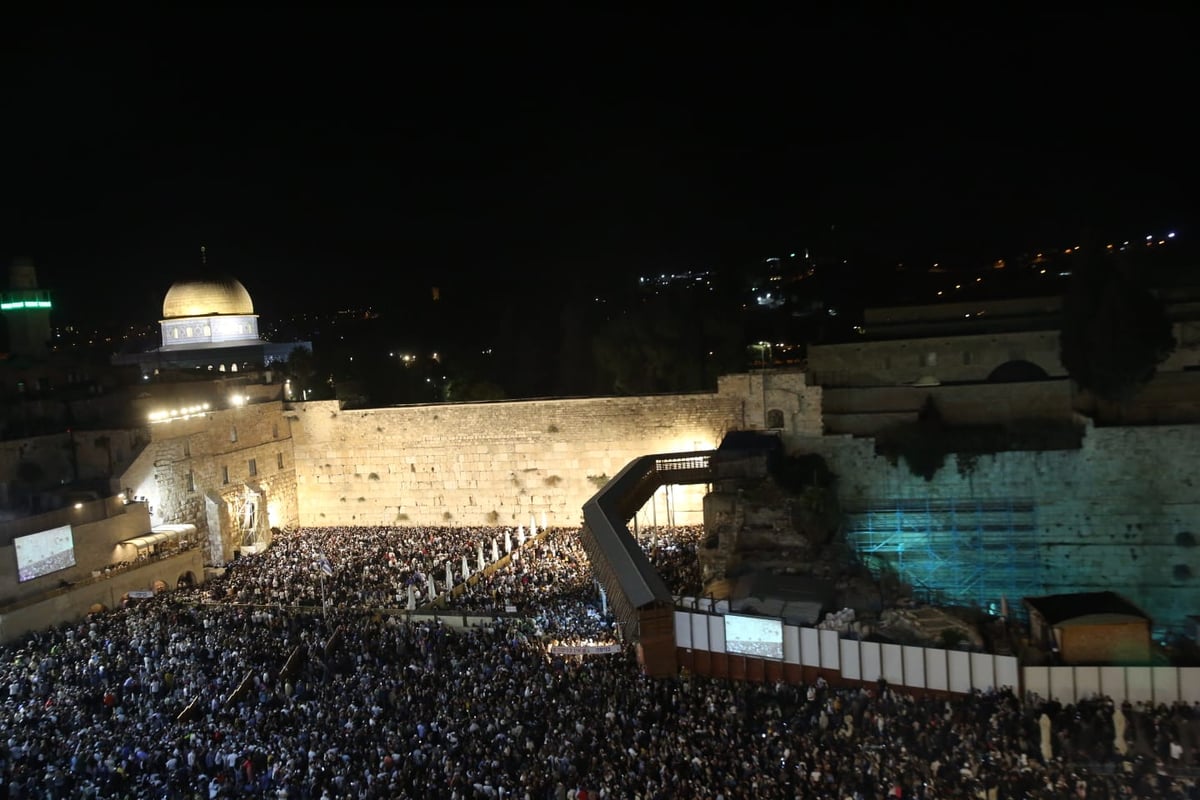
[{"x": 246, "y": 687}]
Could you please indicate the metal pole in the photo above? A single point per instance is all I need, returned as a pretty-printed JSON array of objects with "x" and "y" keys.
[{"x": 324, "y": 606}]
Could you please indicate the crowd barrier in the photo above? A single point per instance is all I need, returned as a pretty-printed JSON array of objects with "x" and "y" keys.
[
  {"x": 809, "y": 652},
  {"x": 806, "y": 650},
  {"x": 1156, "y": 685}
]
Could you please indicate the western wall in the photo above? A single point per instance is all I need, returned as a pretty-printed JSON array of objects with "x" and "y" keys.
[
  {"x": 496, "y": 463},
  {"x": 1121, "y": 512}
]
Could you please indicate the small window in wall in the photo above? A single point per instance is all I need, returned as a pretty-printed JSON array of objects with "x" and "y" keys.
[
  {"x": 233, "y": 433},
  {"x": 189, "y": 331},
  {"x": 221, "y": 368},
  {"x": 224, "y": 474},
  {"x": 252, "y": 466},
  {"x": 174, "y": 333},
  {"x": 233, "y": 367},
  {"x": 208, "y": 330},
  {"x": 279, "y": 460},
  {"x": 191, "y": 481},
  {"x": 775, "y": 418}
]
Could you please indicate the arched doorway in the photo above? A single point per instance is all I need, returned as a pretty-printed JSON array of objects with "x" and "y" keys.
[{"x": 186, "y": 581}]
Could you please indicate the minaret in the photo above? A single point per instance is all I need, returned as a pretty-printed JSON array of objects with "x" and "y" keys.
[{"x": 26, "y": 309}]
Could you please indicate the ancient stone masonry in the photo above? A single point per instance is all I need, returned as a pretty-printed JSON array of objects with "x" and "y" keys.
[
  {"x": 489, "y": 463},
  {"x": 1121, "y": 511},
  {"x": 199, "y": 471}
]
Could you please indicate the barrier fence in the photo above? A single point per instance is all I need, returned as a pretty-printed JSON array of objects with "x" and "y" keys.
[
  {"x": 700, "y": 639},
  {"x": 1156, "y": 685}
]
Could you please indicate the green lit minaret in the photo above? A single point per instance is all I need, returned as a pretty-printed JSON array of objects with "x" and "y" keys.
[{"x": 26, "y": 309}]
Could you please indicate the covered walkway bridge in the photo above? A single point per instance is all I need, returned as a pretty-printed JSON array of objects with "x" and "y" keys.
[{"x": 640, "y": 600}]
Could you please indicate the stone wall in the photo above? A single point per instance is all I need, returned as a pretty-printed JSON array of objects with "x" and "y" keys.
[
  {"x": 67, "y": 457},
  {"x": 97, "y": 544},
  {"x": 1120, "y": 513},
  {"x": 193, "y": 465},
  {"x": 74, "y": 604},
  {"x": 865, "y": 411},
  {"x": 947, "y": 359},
  {"x": 493, "y": 463}
]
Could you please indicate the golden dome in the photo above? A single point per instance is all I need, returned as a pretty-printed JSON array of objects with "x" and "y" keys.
[{"x": 206, "y": 297}]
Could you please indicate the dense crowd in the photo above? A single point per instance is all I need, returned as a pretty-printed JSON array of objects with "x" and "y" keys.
[{"x": 262, "y": 695}]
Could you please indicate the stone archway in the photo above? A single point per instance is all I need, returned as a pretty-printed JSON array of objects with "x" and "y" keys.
[
  {"x": 1017, "y": 371},
  {"x": 186, "y": 581}
]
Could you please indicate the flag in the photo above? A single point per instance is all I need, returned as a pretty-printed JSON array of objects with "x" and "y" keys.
[{"x": 324, "y": 565}]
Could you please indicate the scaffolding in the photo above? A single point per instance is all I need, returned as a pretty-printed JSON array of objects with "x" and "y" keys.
[{"x": 959, "y": 551}]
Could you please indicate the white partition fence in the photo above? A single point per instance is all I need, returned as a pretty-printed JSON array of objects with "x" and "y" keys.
[
  {"x": 899, "y": 665},
  {"x": 951, "y": 670},
  {"x": 1165, "y": 685}
]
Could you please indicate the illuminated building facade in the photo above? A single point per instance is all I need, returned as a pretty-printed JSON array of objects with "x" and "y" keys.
[{"x": 208, "y": 323}]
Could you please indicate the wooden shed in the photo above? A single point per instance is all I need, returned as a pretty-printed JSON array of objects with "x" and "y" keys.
[{"x": 1090, "y": 628}]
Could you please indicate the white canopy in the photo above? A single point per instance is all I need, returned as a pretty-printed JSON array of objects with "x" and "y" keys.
[{"x": 162, "y": 533}]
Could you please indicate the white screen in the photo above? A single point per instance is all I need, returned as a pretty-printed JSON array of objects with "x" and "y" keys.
[
  {"x": 40, "y": 554},
  {"x": 761, "y": 637}
]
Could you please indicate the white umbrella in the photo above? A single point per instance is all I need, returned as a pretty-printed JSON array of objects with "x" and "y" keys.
[
  {"x": 495, "y": 550},
  {"x": 532, "y": 526},
  {"x": 449, "y": 577},
  {"x": 520, "y": 535},
  {"x": 466, "y": 570},
  {"x": 432, "y": 588},
  {"x": 479, "y": 556},
  {"x": 412, "y": 598},
  {"x": 543, "y": 520},
  {"x": 508, "y": 541}
]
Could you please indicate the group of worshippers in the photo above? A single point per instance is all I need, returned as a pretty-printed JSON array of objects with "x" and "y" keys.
[{"x": 205, "y": 694}]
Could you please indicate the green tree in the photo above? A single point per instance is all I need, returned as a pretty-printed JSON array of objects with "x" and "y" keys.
[
  {"x": 301, "y": 367},
  {"x": 1115, "y": 332}
]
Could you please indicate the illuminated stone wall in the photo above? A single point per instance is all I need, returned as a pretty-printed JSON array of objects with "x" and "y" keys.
[
  {"x": 1121, "y": 513},
  {"x": 488, "y": 464},
  {"x": 215, "y": 449},
  {"x": 500, "y": 463}
]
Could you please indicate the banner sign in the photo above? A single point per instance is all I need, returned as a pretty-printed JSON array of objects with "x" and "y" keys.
[{"x": 584, "y": 649}]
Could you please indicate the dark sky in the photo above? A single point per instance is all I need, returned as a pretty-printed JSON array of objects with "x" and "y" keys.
[{"x": 352, "y": 157}]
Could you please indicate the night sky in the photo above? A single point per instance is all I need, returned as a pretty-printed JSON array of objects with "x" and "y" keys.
[{"x": 337, "y": 157}]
